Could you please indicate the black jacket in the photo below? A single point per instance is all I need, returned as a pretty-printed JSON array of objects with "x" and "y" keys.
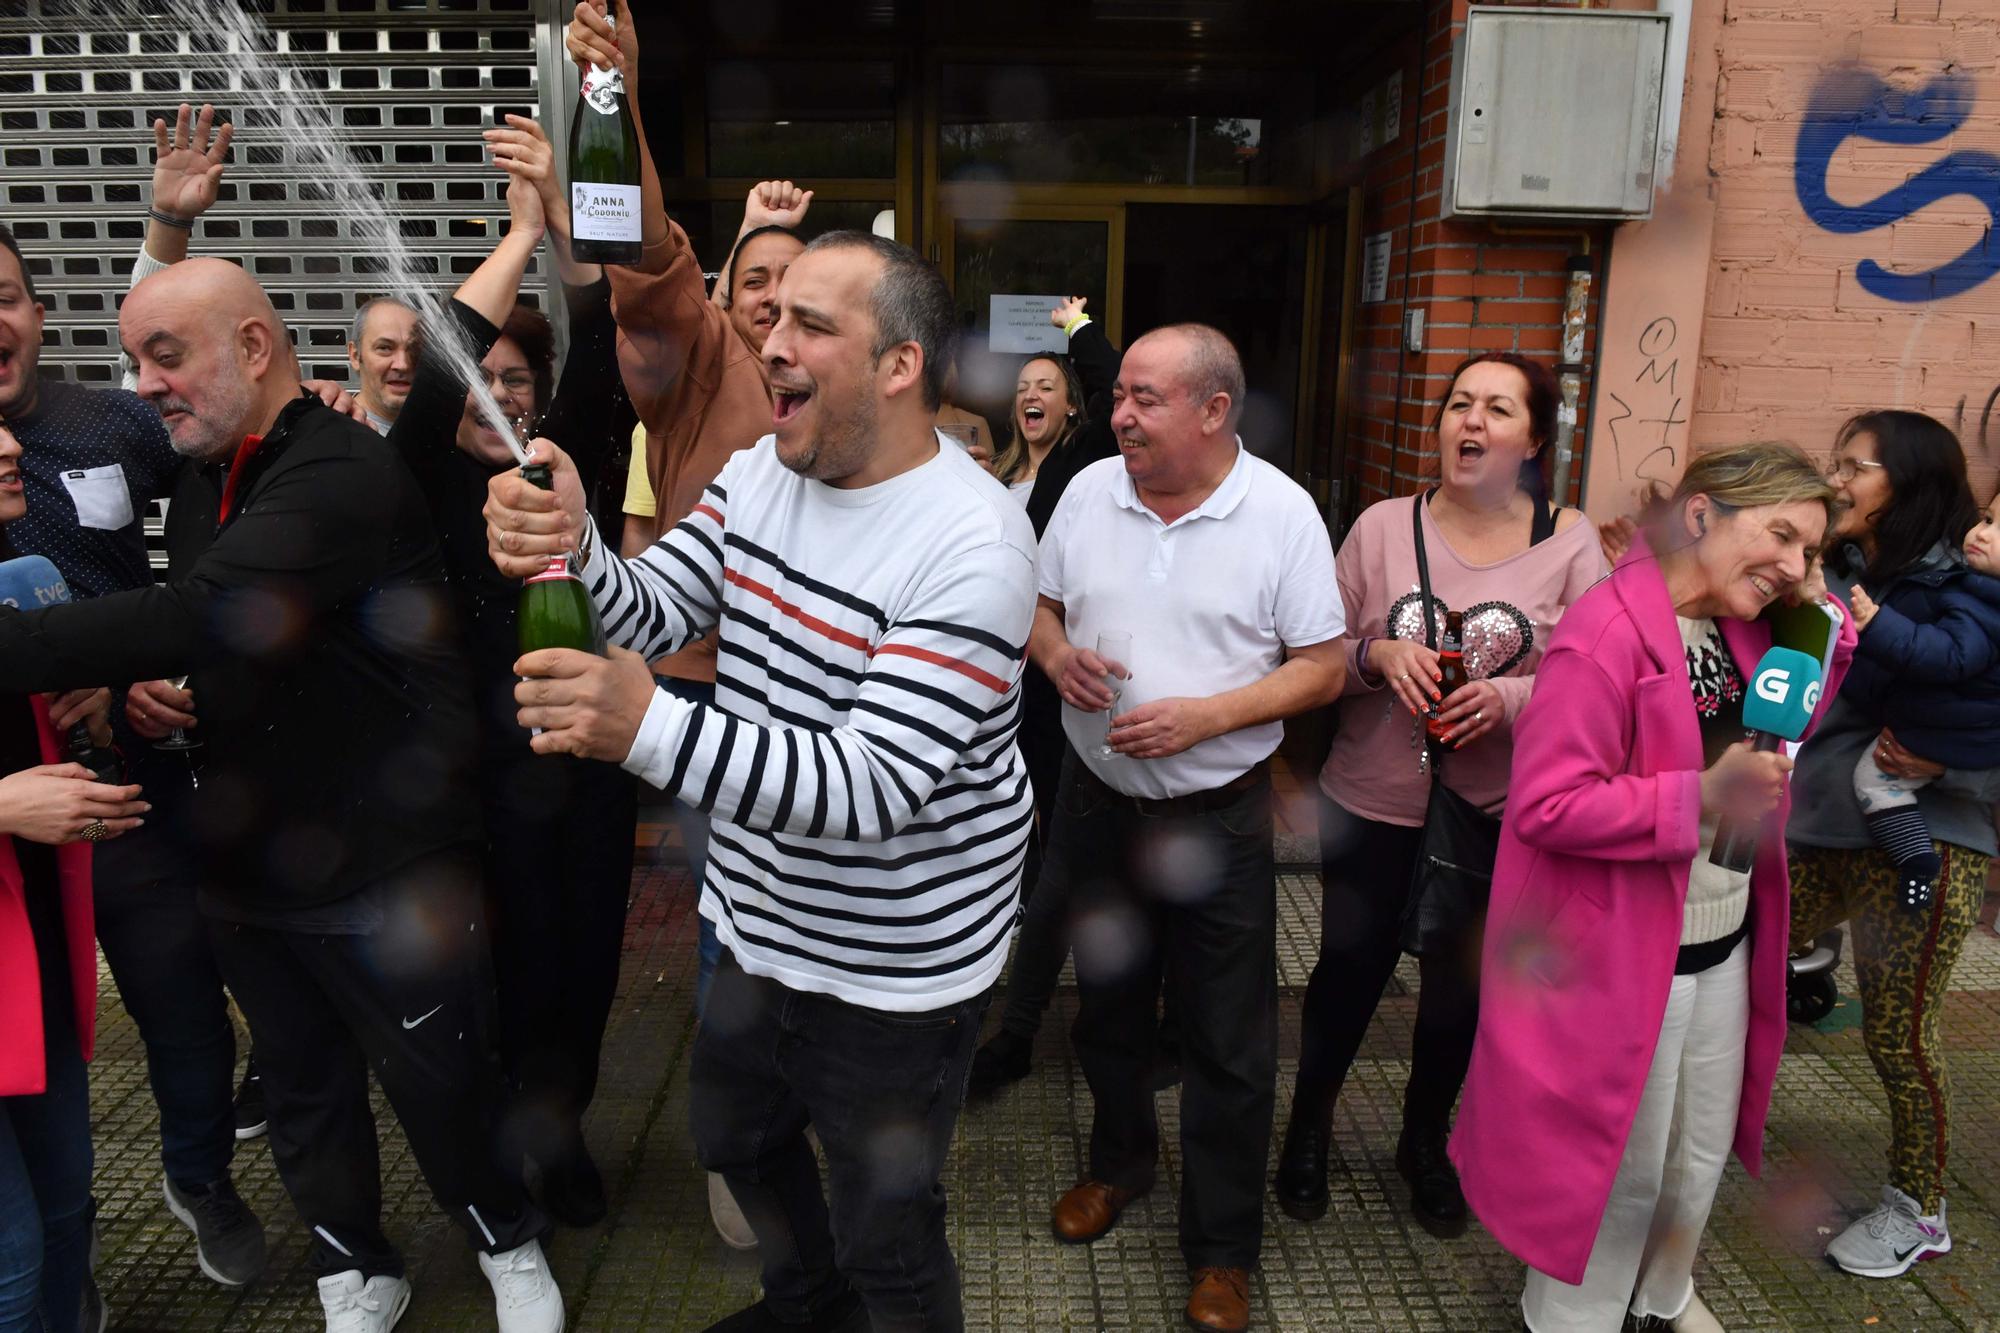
[
  {"x": 1928, "y": 665},
  {"x": 454, "y": 484},
  {"x": 316, "y": 627},
  {"x": 1096, "y": 362}
]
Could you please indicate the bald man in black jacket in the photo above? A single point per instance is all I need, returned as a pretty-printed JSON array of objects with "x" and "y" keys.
[{"x": 307, "y": 604}]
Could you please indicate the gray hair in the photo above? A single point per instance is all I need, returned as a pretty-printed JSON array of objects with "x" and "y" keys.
[
  {"x": 910, "y": 304},
  {"x": 367, "y": 307},
  {"x": 1213, "y": 365}
]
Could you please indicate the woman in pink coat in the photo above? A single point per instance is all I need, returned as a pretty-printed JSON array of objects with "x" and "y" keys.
[{"x": 1634, "y": 995}]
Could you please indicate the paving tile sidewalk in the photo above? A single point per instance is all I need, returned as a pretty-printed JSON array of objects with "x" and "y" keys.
[{"x": 657, "y": 1264}]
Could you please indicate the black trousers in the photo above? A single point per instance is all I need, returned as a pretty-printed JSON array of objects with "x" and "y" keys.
[
  {"x": 558, "y": 876},
  {"x": 1188, "y": 899},
  {"x": 157, "y": 943},
  {"x": 1365, "y": 869},
  {"x": 883, "y": 1092},
  {"x": 411, "y": 999}
]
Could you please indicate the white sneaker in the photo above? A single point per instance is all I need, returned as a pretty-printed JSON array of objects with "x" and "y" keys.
[
  {"x": 525, "y": 1295},
  {"x": 354, "y": 1306},
  {"x": 1887, "y": 1241},
  {"x": 1697, "y": 1318},
  {"x": 730, "y": 1224}
]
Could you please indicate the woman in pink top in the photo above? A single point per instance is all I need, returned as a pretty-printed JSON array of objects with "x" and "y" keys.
[
  {"x": 1633, "y": 999},
  {"x": 1500, "y": 554}
]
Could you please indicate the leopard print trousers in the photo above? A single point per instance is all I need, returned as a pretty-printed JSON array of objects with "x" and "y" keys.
[{"x": 1904, "y": 961}]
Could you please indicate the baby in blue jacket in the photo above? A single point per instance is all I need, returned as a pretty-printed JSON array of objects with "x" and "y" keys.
[{"x": 1934, "y": 641}]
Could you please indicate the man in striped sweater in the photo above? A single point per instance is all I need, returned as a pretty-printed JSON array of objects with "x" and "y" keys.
[{"x": 874, "y": 590}]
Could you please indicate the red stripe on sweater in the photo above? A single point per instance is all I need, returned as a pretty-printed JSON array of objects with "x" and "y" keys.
[
  {"x": 848, "y": 639},
  {"x": 840, "y": 636},
  {"x": 966, "y": 669}
]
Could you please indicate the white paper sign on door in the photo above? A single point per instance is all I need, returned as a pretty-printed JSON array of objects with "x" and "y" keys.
[{"x": 1021, "y": 324}]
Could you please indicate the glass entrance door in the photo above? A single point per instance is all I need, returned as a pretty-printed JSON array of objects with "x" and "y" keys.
[{"x": 1004, "y": 262}]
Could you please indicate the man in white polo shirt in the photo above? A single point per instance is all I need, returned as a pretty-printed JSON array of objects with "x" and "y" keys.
[{"x": 1218, "y": 568}]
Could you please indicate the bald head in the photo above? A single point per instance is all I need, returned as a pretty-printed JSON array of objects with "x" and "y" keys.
[
  {"x": 1206, "y": 360},
  {"x": 211, "y": 353}
]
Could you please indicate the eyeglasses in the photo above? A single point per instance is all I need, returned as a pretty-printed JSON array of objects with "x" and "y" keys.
[
  {"x": 1847, "y": 469},
  {"x": 515, "y": 383}
]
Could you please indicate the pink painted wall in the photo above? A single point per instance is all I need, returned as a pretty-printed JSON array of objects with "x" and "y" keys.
[{"x": 1846, "y": 269}]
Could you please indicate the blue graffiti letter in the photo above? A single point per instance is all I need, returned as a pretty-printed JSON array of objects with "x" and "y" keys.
[{"x": 1854, "y": 103}]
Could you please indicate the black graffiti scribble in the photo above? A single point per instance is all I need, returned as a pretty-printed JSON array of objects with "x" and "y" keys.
[{"x": 1655, "y": 456}]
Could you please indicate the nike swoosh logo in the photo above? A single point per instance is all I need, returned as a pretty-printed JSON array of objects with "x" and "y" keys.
[{"x": 409, "y": 1023}]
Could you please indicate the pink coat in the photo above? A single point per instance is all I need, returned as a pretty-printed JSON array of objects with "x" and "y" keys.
[
  {"x": 1602, "y": 827},
  {"x": 24, "y": 1066}
]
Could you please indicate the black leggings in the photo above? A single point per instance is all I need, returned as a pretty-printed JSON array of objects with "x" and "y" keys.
[{"x": 1365, "y": 868}]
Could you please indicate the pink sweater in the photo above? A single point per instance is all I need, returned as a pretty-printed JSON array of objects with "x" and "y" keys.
[{"x": 1510, "y": 609}]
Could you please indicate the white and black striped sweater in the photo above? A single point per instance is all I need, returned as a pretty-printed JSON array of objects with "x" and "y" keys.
[{"x": 870, "y": 811}]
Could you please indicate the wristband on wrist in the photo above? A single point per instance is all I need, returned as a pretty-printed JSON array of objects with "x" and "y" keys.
[
  {"x": 170, "y": 219},
  {"x": 1069, "y": 329}
]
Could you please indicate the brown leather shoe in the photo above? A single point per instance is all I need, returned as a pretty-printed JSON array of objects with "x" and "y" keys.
[
  {"x": 1220, "y": 1299},
  {"x": 1088, "y": 1211}
]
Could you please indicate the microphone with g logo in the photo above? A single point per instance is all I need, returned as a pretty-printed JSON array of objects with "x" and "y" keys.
[{"x": 1783, "y": 693}]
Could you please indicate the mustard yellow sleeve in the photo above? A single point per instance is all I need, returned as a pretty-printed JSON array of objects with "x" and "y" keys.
[{"x": 639, "y": 499}]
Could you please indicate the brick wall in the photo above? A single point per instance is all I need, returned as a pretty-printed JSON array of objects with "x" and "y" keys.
[
  {"x": 1480, "y": 287},
  {"x": 1796, "y": 336}
]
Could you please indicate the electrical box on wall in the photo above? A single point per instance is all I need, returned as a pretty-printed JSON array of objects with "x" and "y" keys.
[{"x": 1554, "y": 113}]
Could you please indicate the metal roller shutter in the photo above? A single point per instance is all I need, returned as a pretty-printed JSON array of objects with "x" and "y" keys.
[{"x": 412, "y": 81}]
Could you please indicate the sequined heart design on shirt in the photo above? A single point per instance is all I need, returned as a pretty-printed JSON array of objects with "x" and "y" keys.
[{"x": 1498, "y": 637}]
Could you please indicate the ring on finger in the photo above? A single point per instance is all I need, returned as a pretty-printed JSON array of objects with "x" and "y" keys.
[{"x": 95, "y": 831}]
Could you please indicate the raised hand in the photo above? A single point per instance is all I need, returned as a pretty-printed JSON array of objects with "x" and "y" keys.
[
  {"x": 776, "y": 204},
  {"x": 524, "y": 207},
  {"x": 187, "y": 165},
  {"x": 1070, "y": 309},
  {"x": 591, "y": 40},
  {"x": 522, "y": 150}
]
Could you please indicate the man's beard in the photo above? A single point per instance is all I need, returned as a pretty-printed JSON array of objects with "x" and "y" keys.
[
  {"x": 201, "y": 436},
  {"x": 840, "y": 448}
]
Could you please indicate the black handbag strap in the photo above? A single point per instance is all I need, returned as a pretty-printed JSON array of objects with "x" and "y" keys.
[
  {"x": 1545, "y": 524},
  {"x": 1424, "y": 567}
]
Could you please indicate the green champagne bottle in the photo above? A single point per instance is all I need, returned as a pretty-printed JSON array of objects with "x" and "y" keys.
[
  {"x": 604, "y": 169},
  {"x": 556, "y": 610}
]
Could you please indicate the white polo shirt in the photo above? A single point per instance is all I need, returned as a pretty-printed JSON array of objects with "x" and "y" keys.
[{"x": 1211, "y": 602}]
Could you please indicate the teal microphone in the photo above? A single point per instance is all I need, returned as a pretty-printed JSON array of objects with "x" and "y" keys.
[{"x": 1779, "y": 705}]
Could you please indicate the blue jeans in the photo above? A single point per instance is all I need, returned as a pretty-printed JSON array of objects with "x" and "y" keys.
[
  {"x": 45, "y": 1165},
  {"x": 693, "y": 825}
]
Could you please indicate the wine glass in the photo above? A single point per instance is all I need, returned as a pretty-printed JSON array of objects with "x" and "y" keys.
[
  {"x": 178, "y": 739},
  {"x": 1113, "y": 646}
]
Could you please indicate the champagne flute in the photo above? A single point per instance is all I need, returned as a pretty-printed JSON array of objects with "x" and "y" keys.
[
  {"x": 178, "y": 739},
  {"x": 1113, "y": 646}
]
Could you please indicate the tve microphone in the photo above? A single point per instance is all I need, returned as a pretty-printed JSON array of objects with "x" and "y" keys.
[
  {"x": 28, "y": 583},
  {"x": 1783, "y": 693}
]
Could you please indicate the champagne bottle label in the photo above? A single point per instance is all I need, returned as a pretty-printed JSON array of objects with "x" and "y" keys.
[
  {"x": 602, "y": 88},
  {"x": 601, "y": 212},
  {"x": 558, "y": 568}
]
